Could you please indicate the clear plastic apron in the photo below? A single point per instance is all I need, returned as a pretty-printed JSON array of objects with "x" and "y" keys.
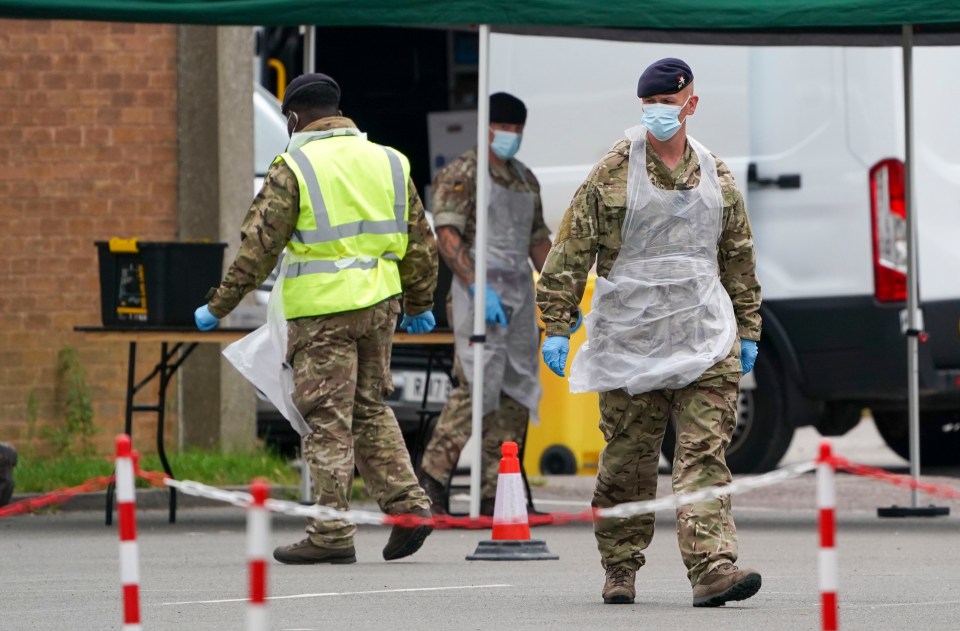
[
  {"x": 511, "y": 353},
  {"x": 661, "y": 318},
  {"x": 261, "y": 356}
]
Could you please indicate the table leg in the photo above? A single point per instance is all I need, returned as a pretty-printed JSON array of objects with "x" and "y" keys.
[
  {"x": 425, "y": 417},
  {"x": 128, "y": 418},
  {"x": 164, "y": 370},
  {"x": 166, "y": 373}
]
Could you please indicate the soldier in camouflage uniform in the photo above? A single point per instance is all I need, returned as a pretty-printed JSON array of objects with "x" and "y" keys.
[
  {"x": 705, "y": 410},
  {"x": 340, "y": 361},
  {"x": 517, "y": 235}
]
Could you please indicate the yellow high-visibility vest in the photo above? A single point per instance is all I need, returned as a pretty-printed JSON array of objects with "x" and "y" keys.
[{"x": 352, "y": 229}]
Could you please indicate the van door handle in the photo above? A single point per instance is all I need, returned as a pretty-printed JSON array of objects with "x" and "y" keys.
[{"x": 790, "y": 180}]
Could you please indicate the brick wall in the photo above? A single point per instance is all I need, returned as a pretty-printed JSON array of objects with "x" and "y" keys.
[{"x": 88, "y": 148}]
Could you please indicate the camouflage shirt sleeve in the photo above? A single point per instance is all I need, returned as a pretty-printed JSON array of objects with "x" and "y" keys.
[
  {"x": 590, "y": 226},
  {"x": 418, "y": 269},
  {"x": 454, "y": 196},
  {"x": 564, "y": 275},
  {"x": 737, "y": 259},
  {"x": 264, "y": 234}
]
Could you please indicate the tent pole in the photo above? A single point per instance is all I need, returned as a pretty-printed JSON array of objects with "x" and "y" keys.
[
  {"x": 914, "y": 318},
  {"x": 479, "y": 297},
  {"x": 913, "y": 341},
  {"x": 309, "y": 49}
]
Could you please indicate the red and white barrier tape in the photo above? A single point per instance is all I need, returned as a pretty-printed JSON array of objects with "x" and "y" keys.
[
  {"x": 904, "y": 481},
  {"x": 127, "y": 528},
  {"x": 239, "y": 498},
  {"x": 710, "y": 493},
  {"x": 243, "y": 499},
  {"x": 32, "y": 504}
]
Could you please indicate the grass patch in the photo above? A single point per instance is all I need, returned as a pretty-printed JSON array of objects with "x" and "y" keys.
[{"x": 44, "y": 474}]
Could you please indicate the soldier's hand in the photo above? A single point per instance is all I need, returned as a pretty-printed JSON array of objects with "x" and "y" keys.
[
  {"x": 748, "y": 354},
  {"x": 494, "y": 313},
  {"x": 204, "y": 319},
  {"x": 555, "y": 350},
  {"x": 420, "y": 323}
]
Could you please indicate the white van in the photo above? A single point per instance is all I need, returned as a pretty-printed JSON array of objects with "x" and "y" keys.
[
  {"x": 269, "y": 133},
  {"x": 814, "y": 136}
]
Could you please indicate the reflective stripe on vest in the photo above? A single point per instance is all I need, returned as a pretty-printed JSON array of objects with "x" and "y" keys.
[
  {"x": 326, "y": 232},
  {"x": 332, "y": 267}
]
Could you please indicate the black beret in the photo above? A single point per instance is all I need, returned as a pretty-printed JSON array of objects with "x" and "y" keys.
[
  {"x": 303, "y": 81},
  {"x": 667, "y": 76},
  {"x": 508, "y": 109}
]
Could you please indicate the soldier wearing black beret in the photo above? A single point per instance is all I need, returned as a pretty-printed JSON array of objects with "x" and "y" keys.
[
  {"x": 518, "y": 236},
  {"x": 674, "y": 323},
  {"x": 359, "y": 251}
]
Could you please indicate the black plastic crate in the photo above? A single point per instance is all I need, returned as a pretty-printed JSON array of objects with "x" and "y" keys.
[{"x": 156, "y": 284}]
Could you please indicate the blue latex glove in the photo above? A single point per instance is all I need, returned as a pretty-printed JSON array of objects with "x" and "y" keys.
[
  {"x": 421, "y": 323},
  {"x": 748, "y": 354},
  {"x": 576, "y": 327},
  {"x": 494, "y": 313},
  {"x": 555, "y": 350},
  {"x": 204, "y": 319}
]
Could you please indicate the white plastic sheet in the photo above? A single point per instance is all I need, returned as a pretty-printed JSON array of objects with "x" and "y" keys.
[{"x": 261, "y": 357}]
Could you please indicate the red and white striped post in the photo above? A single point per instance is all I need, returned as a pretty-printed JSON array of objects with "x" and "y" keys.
[
  {"x": 127, "y": 527},
  {"x": 827, "y": 503},
  {"x": 258, "y": 544}
]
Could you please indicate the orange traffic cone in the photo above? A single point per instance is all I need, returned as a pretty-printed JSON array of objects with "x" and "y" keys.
[{"x": 511, "y": 529}]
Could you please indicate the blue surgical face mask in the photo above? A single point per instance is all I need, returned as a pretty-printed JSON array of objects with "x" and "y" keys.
[
  {"x": 661, "y": 120},
  {"x": 505, "y": 143}
]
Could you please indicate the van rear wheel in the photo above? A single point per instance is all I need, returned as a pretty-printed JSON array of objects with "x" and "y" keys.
[
  {"x": 762, "y": 434},
  {"x": 939, "y": 435}
]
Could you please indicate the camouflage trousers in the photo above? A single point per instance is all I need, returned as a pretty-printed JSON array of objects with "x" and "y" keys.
[
  {"x": 341, "y": 366},
  {"x": 706, "y": 414},
  {"x": 453, "y": 430}
]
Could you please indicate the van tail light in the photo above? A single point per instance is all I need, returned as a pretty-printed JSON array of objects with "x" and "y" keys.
[{"x": 888, "y": 215}]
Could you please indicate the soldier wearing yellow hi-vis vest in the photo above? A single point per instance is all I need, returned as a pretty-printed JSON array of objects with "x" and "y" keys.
[{"x": 356, "y": 237}]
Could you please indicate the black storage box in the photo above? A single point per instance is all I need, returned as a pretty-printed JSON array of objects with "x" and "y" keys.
[{"x": 155, "y": 283}]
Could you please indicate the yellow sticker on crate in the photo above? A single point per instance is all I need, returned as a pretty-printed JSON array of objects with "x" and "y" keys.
[{"x": 123, "y": 246}]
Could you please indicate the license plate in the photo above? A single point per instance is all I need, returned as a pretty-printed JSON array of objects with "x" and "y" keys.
[{"x": 415, "y": 382}]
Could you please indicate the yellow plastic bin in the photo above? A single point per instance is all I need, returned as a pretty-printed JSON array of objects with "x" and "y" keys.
[{"x": 567, "y": 439}]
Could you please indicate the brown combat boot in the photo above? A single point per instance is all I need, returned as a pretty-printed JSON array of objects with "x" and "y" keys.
[
  {"x": 8, "y": 460},
  {"x": 435, "y": 491},
  {"x": 305, "y": 553},
  {"x": 619, "y": 587},
  {"x": 405, "y": 541},
  {"x": 725, "y": 583}
]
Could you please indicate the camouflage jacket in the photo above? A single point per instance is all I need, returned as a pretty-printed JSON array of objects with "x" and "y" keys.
[
  {"x": 270, "y": 223},
  {"x": 454, "y": 201},
  {"x": 590, "y": 233}
]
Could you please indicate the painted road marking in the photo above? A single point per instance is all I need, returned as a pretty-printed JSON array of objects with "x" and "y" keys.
[{"x": 326, "y": 594}]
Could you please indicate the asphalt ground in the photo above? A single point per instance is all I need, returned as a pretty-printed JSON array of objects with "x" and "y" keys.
[{"x": 60, "y": 571}]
